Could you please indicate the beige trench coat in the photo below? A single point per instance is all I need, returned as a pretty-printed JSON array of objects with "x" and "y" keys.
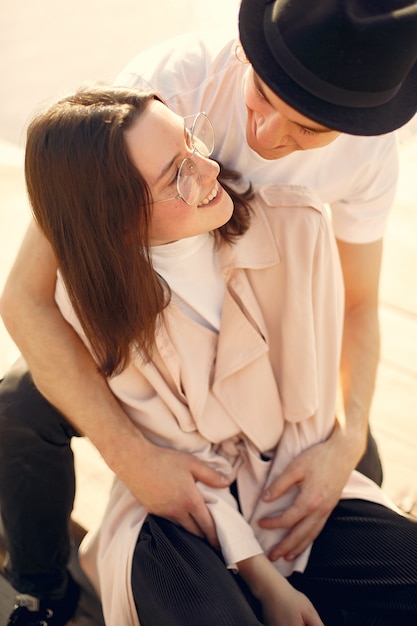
[{"x": 266, "y": 383}]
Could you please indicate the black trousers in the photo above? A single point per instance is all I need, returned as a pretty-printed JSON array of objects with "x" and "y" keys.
[
  {"x": 37, "y": 485},
  {"x": 362, "y": 571}
]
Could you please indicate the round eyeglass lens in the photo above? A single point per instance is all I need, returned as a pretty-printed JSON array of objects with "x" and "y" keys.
[
  {"x": 203, "y": 135},
  {"x": 189, "y": 182}
]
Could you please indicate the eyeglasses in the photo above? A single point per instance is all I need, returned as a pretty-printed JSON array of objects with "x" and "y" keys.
[{"x": 201, "y": 139}]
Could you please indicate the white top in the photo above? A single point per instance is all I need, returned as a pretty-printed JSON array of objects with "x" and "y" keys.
[
  {"x": 356, "y": 176},
  {"x": 192, "y": 270}
]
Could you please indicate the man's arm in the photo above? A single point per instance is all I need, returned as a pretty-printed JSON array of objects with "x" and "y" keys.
[
  {"x": 66, "y": 374},
  {"x": 322, "y": 470},
  {"x": 361, "y": 265}
]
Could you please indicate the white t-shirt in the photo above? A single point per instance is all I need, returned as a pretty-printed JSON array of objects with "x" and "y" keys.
[
  {"x": 192, "y": 270},
  {"x": 356, "y": 176}
]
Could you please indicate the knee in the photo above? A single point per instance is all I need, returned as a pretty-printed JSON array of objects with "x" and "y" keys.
[{"x": 24, "y": 412}]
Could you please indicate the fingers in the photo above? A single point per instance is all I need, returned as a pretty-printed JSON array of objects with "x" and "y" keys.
[
  {"x": 298, "y": 539},
  {"x": 207, "y": 475},
  {"x": 305, "y": 519},
  {"x": 288, "y": 519},
  {"x": 198, "y": 521},
  {"x": 202, "y": 518},
  {"x": 282, "y": 483},
  {"x": 201, "y": 515},
  {"x": 189, "y": 524},
  {"x": 207, "y": 527},
  {"x": 170, "y": 491},
  {"x": 191, "y": 510},
  {"x": 314, "y": 620}
]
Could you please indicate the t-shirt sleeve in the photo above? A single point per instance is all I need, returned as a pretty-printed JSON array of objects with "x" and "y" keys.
[
  {"x": 361, "y": 216},
  {"x": 171, "y": 68}
]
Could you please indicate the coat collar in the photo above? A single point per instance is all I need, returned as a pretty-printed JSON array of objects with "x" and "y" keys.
[
  {"x": 260, "y": 246},
  {"x": 246, "y": 251}
]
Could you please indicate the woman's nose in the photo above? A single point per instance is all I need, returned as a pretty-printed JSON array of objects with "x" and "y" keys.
[{"x": 208, "y": 168}]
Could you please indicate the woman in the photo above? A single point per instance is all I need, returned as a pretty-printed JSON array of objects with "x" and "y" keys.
[{"x": 219, "y": 328}]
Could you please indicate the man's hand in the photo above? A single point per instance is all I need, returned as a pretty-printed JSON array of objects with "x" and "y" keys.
[
  {"x": 165, "y": 484},
  {"x": 320, "y": 473}
]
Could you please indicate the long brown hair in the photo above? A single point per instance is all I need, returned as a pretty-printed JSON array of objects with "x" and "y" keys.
[{"x": 95, "y": 208}]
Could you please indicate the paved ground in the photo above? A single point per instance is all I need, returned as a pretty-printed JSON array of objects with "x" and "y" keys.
[
  {"x": 94, "y": 40},
  {"x": 394, "y": 414}
]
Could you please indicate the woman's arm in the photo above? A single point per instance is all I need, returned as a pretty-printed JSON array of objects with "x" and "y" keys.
[
  {"x": 282, "y": 605},
  {"x": 65, "y": 373}
]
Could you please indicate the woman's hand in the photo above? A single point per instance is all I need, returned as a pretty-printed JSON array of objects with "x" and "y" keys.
[
  {"x": 282, "y": 605},
  {"x": 290, "y": 609}
]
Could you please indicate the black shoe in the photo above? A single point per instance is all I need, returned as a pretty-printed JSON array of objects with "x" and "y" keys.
[{"x": 29, "y": 611}]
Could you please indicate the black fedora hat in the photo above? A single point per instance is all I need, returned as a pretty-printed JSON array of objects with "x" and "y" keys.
[{"x": 350, "y": 65}]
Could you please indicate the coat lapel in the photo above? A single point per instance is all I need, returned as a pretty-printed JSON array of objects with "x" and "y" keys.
[{"x": 242, "y": 358}]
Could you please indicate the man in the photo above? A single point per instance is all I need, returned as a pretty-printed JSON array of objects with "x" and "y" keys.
[{"x": 314, "y": 74}]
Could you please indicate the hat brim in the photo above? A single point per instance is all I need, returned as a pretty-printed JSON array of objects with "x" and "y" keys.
[{"x": 376, "y": 120}]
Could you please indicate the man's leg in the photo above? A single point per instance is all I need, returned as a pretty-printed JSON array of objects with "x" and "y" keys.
[{"x": 37, "y": 486}]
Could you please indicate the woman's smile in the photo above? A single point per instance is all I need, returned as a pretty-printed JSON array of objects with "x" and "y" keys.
[{"x": 212, "y": 195}]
